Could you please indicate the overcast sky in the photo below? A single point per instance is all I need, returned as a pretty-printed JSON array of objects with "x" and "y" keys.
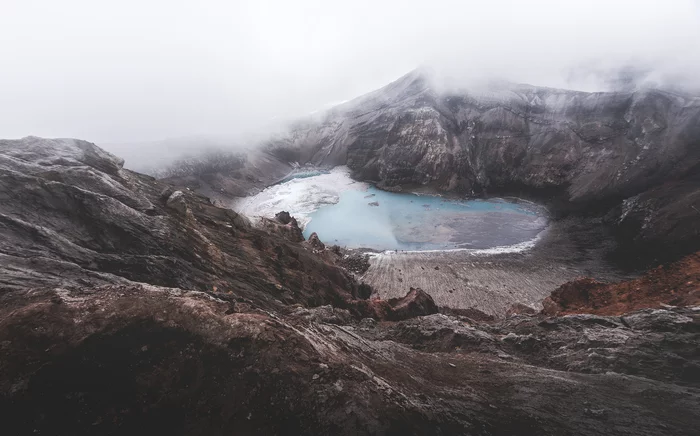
[{"x": 124, "y": 70}]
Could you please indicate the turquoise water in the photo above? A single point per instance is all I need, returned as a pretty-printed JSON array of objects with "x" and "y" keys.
[{"x": 393, "y": 221}]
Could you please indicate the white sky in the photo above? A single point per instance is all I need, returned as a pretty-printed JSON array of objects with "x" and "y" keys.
[{"x": 123, "y": 70}]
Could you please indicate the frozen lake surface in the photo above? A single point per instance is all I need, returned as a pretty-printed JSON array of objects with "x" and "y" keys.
[{"x": 357, "y": 215}]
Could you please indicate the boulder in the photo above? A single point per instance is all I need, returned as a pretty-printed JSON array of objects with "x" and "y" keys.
[
  {"x": 166, "y": 193},
  {"x": 177, "y": 202},
  {"x": 416, "y": 303},
  {"x": 238, "y": 220}
]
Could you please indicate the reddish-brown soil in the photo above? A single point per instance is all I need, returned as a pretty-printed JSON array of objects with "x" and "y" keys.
[{"x": 676, "y": 284}]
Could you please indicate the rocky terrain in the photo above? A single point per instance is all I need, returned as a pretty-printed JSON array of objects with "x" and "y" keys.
[
  {"x": 677, "y": 284},
  {"x": 632, "y": 157},
  {"x": 131, "y": 307},
  {"x": 618, "y": 172},
  {"x": 144, "y": 360},
  {"x": 492, "y": 283},
  {"x": 71, "y": 217}
]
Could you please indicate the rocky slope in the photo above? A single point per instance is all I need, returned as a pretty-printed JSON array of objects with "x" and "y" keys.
[
  {"x": 71, "y": 216},
  {"x": 677, "y": 284},
  {"x": 635, "y": 155},
  {"x": 145, "y": 360},
  {"x": 127, "y": 307}
]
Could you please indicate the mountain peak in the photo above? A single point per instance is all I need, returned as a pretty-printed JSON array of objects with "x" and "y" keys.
[{"x": 418, "y": 79}]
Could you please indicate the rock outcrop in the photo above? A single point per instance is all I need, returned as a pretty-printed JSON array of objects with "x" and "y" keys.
[
  {"x": 415, "y": 303},
  {"x": 677, "y": 284},
  {"x": 176, "y": 201},
  {"x": 357, "y": 263},
  {"x": 315, "y": 242},
  {"x": 283, "y": 225},
  {"x": 285, "y": 218}
]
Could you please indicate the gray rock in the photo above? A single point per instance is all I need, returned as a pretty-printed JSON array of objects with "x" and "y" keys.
[
  {"x": 327, "y": 314},
  {"x": 166, "y": 193},
  {"x": 367, "y": 323},
  {"x": 177, "y": 202},
  {"x": 658, "y": 319},
  {"x": 596, "y": 413}
]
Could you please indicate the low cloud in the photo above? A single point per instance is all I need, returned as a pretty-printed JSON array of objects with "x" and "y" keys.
[{"x": 137, "y": 72}]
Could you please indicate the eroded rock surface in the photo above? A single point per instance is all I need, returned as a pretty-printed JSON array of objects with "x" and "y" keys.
[
  {"x": 122, "y": 315},
  {"x": 144, "y": 360}
]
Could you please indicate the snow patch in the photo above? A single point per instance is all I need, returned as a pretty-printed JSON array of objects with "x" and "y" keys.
[{"x": 300, "y": 197}]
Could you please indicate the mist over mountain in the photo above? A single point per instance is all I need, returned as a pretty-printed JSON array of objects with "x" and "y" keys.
[
  {"x": 139, "y": 73},
  {"x": 155, "y": 156}
]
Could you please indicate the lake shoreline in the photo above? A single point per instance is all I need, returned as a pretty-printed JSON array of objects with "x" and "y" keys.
[
  {"x": 493, "y": 283},
  {"x": 355, "y": 214},
  {"x": 488, "y": 279}
]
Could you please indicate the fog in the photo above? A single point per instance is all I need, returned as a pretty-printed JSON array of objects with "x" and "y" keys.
[{"x": 135, "y": 71}]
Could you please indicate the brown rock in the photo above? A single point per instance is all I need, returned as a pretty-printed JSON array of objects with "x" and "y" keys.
[
  {"x": 284, "y": 217},
  {"x": 416, "y": 303},
  {"x": 664, "y": 285},
  {"x": 284, "y": 225},
  {"x": 315, "y": 242}
]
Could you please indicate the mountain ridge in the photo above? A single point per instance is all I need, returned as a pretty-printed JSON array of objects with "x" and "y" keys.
[{"x": 578, "y": 152}]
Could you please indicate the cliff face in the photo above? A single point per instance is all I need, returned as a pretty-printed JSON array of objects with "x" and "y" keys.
[
  {"x": 584, "y": 146},
  {"x": 581, "y": 152}
]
